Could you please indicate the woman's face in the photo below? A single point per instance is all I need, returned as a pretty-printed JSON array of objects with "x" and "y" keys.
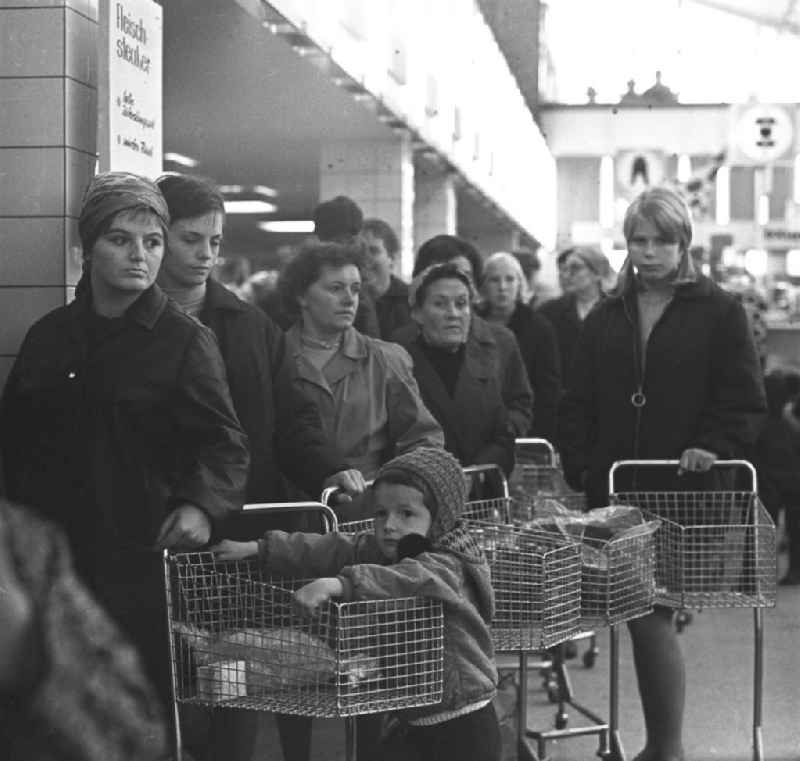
[
  {"x": 576, "y": 276},
  {"x": 192, "y": 250},
  {"x": 655, "y": 255},
  {"x": 330, "y": 302},
  {"x": 501, "y": 286},
  {"x": 399, "y": 510},
  {"x": 444, "y": 315},
  {"x": 126, "y": 258}
]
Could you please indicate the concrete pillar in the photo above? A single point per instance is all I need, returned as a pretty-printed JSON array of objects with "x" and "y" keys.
[
  {"x": 48, "y": 117},
  {"x": 379, "y": 176},
  {"x": 434, "y": 205}
]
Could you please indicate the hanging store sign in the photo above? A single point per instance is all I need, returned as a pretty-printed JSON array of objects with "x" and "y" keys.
[
  {"x": 130, "y": 87},
  {"x": 762, "y": 133}
]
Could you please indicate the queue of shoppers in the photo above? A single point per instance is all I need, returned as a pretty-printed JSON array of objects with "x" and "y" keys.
[{"x": 143, "y": 416}]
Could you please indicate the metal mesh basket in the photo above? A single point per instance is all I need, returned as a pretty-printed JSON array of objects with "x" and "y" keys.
[
  {"x": 538, "y": 476},
  {"x": 239, "y": 643},
  {"x": 617, "y": 579},
  {"x": 714, "y": 549},
  {"x": 535, "y": 575}
]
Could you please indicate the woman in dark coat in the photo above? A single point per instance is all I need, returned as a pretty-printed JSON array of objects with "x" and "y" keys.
[
  {"x": 502, "y": 291},
  {"x": 581, "y": 272},
  {"x": 508, "y": 366},
  {"x": 116, "y": 420},
  {"x": 665, "y": 368},
  {"x": 283, "y": 426},
  {"x": 455, "y": 369}
]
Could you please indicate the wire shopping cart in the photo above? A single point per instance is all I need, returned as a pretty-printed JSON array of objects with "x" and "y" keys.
[
  {"x": 616, "y": 589},
  {"x": 715, "y": 549},
  {"x": 237, "y": 642}
]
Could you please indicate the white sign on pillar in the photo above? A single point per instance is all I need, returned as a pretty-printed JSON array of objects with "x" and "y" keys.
[
  {"x": 130, "y": 87},
  {"x": 762, "y": 133}
]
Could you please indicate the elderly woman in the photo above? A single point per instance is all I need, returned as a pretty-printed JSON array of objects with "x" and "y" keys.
[
  {"x": 496, "y": 339},
  {"x": 116, "y": 421},
  {"x": 502, "y": 289},
  {"x": 456, "y": 371},
  {"x": 581, "y": 272},
  {"x": 665, "y": 369},
  {"x": 363, "y": 387}
]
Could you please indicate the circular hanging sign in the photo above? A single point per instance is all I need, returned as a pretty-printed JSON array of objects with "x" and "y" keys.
[{"x": 764, "y": 133}]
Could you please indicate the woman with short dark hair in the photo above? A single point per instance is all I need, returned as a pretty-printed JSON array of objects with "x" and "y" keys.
[
  {"x": 363, "y": 387},
  {"x": 283, "y": 427}
]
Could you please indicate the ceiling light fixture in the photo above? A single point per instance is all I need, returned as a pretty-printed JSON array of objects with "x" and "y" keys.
[
  {"x": 179, "y": 158},
  {"x": 249, "y": 207},
  {"x": 287, "y": 226}
]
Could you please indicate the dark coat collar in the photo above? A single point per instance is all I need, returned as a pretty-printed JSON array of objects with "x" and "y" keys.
[
  {"x": 219, "y": 297},
  {"x": 145, "y": 311}
]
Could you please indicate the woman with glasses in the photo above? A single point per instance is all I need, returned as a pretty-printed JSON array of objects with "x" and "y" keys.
[
  {"x": 665, "y": 368},
  {"x": 581, "y": 272}
]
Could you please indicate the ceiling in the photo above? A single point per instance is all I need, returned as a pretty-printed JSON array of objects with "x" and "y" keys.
[
  {"x": 779, "y": 14},
  {"x": 251, "y": 111}
]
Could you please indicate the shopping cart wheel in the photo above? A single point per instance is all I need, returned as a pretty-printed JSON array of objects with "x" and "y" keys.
[
  {"x": 682, "y": 620},
  {"x": 589, "y": 657},
  {"x": 562, "y": 717},
  {"x": 553, "y": 692}
]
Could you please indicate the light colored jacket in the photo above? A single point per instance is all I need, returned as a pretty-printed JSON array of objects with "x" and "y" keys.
[
  {"x": 462, "y": 583},
  {"x": 368, "y": 399}
]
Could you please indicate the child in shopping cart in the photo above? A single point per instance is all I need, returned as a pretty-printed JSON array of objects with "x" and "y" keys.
[{"x": 419, "y": 547}]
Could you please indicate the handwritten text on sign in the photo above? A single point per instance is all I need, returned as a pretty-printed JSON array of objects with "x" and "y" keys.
[{"x": 134, "y": 86}]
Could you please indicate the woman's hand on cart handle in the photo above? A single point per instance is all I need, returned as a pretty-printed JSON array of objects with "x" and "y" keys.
[
  {"x": 348, "y": 482},
  {"x": 308, "y": 598},
  {"x": 228, "y": 549},
  {"x": 696, "y": 460},
  {"x": 187, "y": 527}
]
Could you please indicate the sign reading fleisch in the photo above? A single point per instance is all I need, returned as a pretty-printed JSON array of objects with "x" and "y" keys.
[{"x": 129, "y": 87}]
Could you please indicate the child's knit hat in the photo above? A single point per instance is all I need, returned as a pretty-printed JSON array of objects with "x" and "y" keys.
[{"x": 435, "y": 472}]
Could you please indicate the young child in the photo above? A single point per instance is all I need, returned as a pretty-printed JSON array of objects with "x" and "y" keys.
[{"x": 421, "y": 493}]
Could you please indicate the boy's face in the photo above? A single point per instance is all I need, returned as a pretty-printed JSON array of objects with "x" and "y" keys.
[{"x": 399, "y": 510}]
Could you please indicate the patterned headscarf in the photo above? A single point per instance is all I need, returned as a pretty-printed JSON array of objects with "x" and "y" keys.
[{"x": 112, "y": 192}]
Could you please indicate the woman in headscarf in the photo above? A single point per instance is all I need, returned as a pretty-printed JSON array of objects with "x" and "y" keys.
[
  {"x": 665, "y": 368},
  {"x": 116, "y": 421}
]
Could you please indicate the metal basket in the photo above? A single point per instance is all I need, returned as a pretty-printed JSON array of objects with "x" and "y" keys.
[
  {"x": 538, "y": 476},
  {"x": 239, "y": 643},
  {"x": 617, "y": 579},
  {"x": 535, "y": 575},
  {"x": 715, "y": 549}
]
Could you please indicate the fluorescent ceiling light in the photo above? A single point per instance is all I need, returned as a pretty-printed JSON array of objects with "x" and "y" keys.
[
  {"x": 263, "y": 190},
  {"x": 230, "y": 189},
  {"x": 179, "y": 158},
  {"x": 249, "y": 207},
  {"x": 288, "y": 226}
]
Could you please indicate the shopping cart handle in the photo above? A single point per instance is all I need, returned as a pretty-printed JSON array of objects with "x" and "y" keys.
[
  {"x": 329, "y": 492},
  {"x": 470, "y": 470},
  {"x": 746, "y": 464},
  {"x": 331, "y": 522},
  {"x": 535, "y": 442}
]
